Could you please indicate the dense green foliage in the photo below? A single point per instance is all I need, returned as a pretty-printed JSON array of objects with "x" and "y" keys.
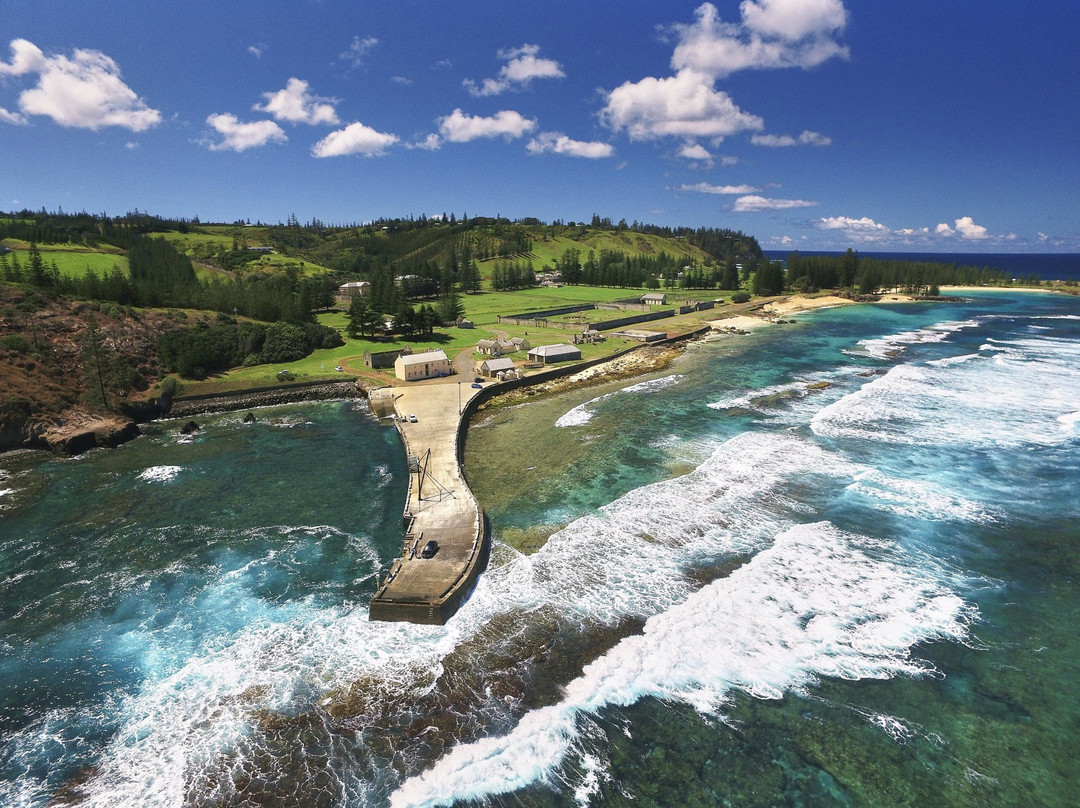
[
  {"x": 868, "y": 275},
  {"x": 196, "y": 352}
]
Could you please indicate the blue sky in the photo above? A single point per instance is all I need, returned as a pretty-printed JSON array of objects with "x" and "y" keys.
[{"x": 813, "y": 124}]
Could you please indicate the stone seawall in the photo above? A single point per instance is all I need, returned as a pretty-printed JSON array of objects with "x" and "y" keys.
[{"x": 263, "y": 397}]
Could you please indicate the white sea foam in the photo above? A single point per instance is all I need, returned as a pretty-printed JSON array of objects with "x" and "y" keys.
[
  {"x": 760, "y": 398},
  {"x": 918, "y": 499},
  {"x": 160, "y": 474},
  {"x": 818, "y": 603},
  {"x": 891, "y": 346},
  {"x": 1068, "y": 422},
  {"x": 583, "y": 413},
  {"x": 1014, "y": 392}
]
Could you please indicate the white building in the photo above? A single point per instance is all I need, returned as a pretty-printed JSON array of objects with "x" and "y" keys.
[
  {"x": 354, "y": 289},
  {"x": 427, "y": 365}
]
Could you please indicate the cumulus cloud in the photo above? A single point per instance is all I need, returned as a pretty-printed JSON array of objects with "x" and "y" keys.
[
  {"x": 695, "y": 151},
  {"x": 522, "y": 66},
  {"x": 356, "y": 138},
  {"x": 807, "y": 138},
  {"x": 430, "y": 143},
  {"x": 457, "y": 127},
  {"x": 969, "y": 230},
  {"x": 865, "y": 225},
  {"x": 771, "y": 34},
  {"x": 296, "y": 104},
  {"x": 239, "y": 136},
  {"x": 752, "y": 203},
  {"x": 83, "y": 92},
  {"x": 358, "y": 50},
  {"x": 558, "y": 143},
  {"x": 867, "y": 230},
  {"x": 706, "y": 188},
  {"x": 684, "y": 105}
]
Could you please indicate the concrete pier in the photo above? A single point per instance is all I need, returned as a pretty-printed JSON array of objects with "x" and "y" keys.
[{"x": 440, "y": 507}]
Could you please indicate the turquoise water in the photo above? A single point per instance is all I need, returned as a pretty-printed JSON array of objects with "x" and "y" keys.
[{"x": 829, "y": 563}]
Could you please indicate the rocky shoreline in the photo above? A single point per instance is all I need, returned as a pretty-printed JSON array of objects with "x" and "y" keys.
[{"x": 77, "y": 430}]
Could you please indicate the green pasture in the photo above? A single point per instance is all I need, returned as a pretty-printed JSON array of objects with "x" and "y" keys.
[
  {"x": 75, "y": 262},
  {"x": 483, "y": 308},
  {"x": 548, "y": 250}
]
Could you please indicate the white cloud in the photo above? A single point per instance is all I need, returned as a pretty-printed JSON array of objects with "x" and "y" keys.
[
  {"x": 402, "y": 80},
  {"x": 296, "y": 104},
  {"x": 356, "y": 138},
  {"x": 865, "y": 225},
  {"x": 358, "y": 50},
  {"x": 430, "y": 143},
  {"x": 794, "y": 20},
  {"x": 706, "y": 188},
  {"x": 867, "y": 230},
  {"x": 684, "y": 105},
  {"x": 695, "y": 151},
  {"x": 26, "y": 57},
  {"x": 558, "y": 143},
  {"x": 257, "y": 50},
  {"x": 522, "y": 66},
  {"x": 807, "y": 138},
  {"x": 457, "y": 127},
  {"x": 969, "y": 230},
  {"x": 83, "y": 92},
  {"x": 237, "y": 136},
  {"x": 751, "y": 204},
  {"x": 771, "y": 34},
  {"x": 7, "y": 116}
]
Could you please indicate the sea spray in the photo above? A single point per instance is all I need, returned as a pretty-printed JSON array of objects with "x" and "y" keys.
[{"x": 817, "y": 603}]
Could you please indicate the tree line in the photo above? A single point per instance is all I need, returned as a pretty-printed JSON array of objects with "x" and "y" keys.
[{"x": 162, "y": 276}]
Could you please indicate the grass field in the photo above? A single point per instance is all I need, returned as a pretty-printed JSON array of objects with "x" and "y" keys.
[
  {"x": 74, "y": 262},
  {"x": 549, "y": 250}
]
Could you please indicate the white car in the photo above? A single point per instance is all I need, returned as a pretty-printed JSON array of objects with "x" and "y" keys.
[{"x": 412, "y": 418}]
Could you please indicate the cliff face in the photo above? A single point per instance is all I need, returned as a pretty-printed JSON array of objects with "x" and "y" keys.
[{"x": 44, "y": 378}]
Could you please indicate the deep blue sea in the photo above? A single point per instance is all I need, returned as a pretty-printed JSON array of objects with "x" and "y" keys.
[{"x": 827, "y": 563}]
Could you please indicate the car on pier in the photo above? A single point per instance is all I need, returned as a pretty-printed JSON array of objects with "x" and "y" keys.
[{"x": 430, "y": 549}]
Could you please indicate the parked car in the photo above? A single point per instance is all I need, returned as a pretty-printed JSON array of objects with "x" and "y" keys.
[
  {"x": 430, "y": 549},
  {"x": 478, "y": 386},
  {"x": 412, "y": 418}
]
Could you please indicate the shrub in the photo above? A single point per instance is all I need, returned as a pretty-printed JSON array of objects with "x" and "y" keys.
[
  {"x": 15, "y": 342},
  {"x": 740, "y": 297}
]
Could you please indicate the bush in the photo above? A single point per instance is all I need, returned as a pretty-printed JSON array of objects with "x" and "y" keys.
[
  {"x": 15, "y": 342},
  {"x": 170, "y": 387},
  {"x": 740, "y": 297}
]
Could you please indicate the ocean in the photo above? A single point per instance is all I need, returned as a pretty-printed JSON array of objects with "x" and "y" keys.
[{"x": 831, "y": 562}]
